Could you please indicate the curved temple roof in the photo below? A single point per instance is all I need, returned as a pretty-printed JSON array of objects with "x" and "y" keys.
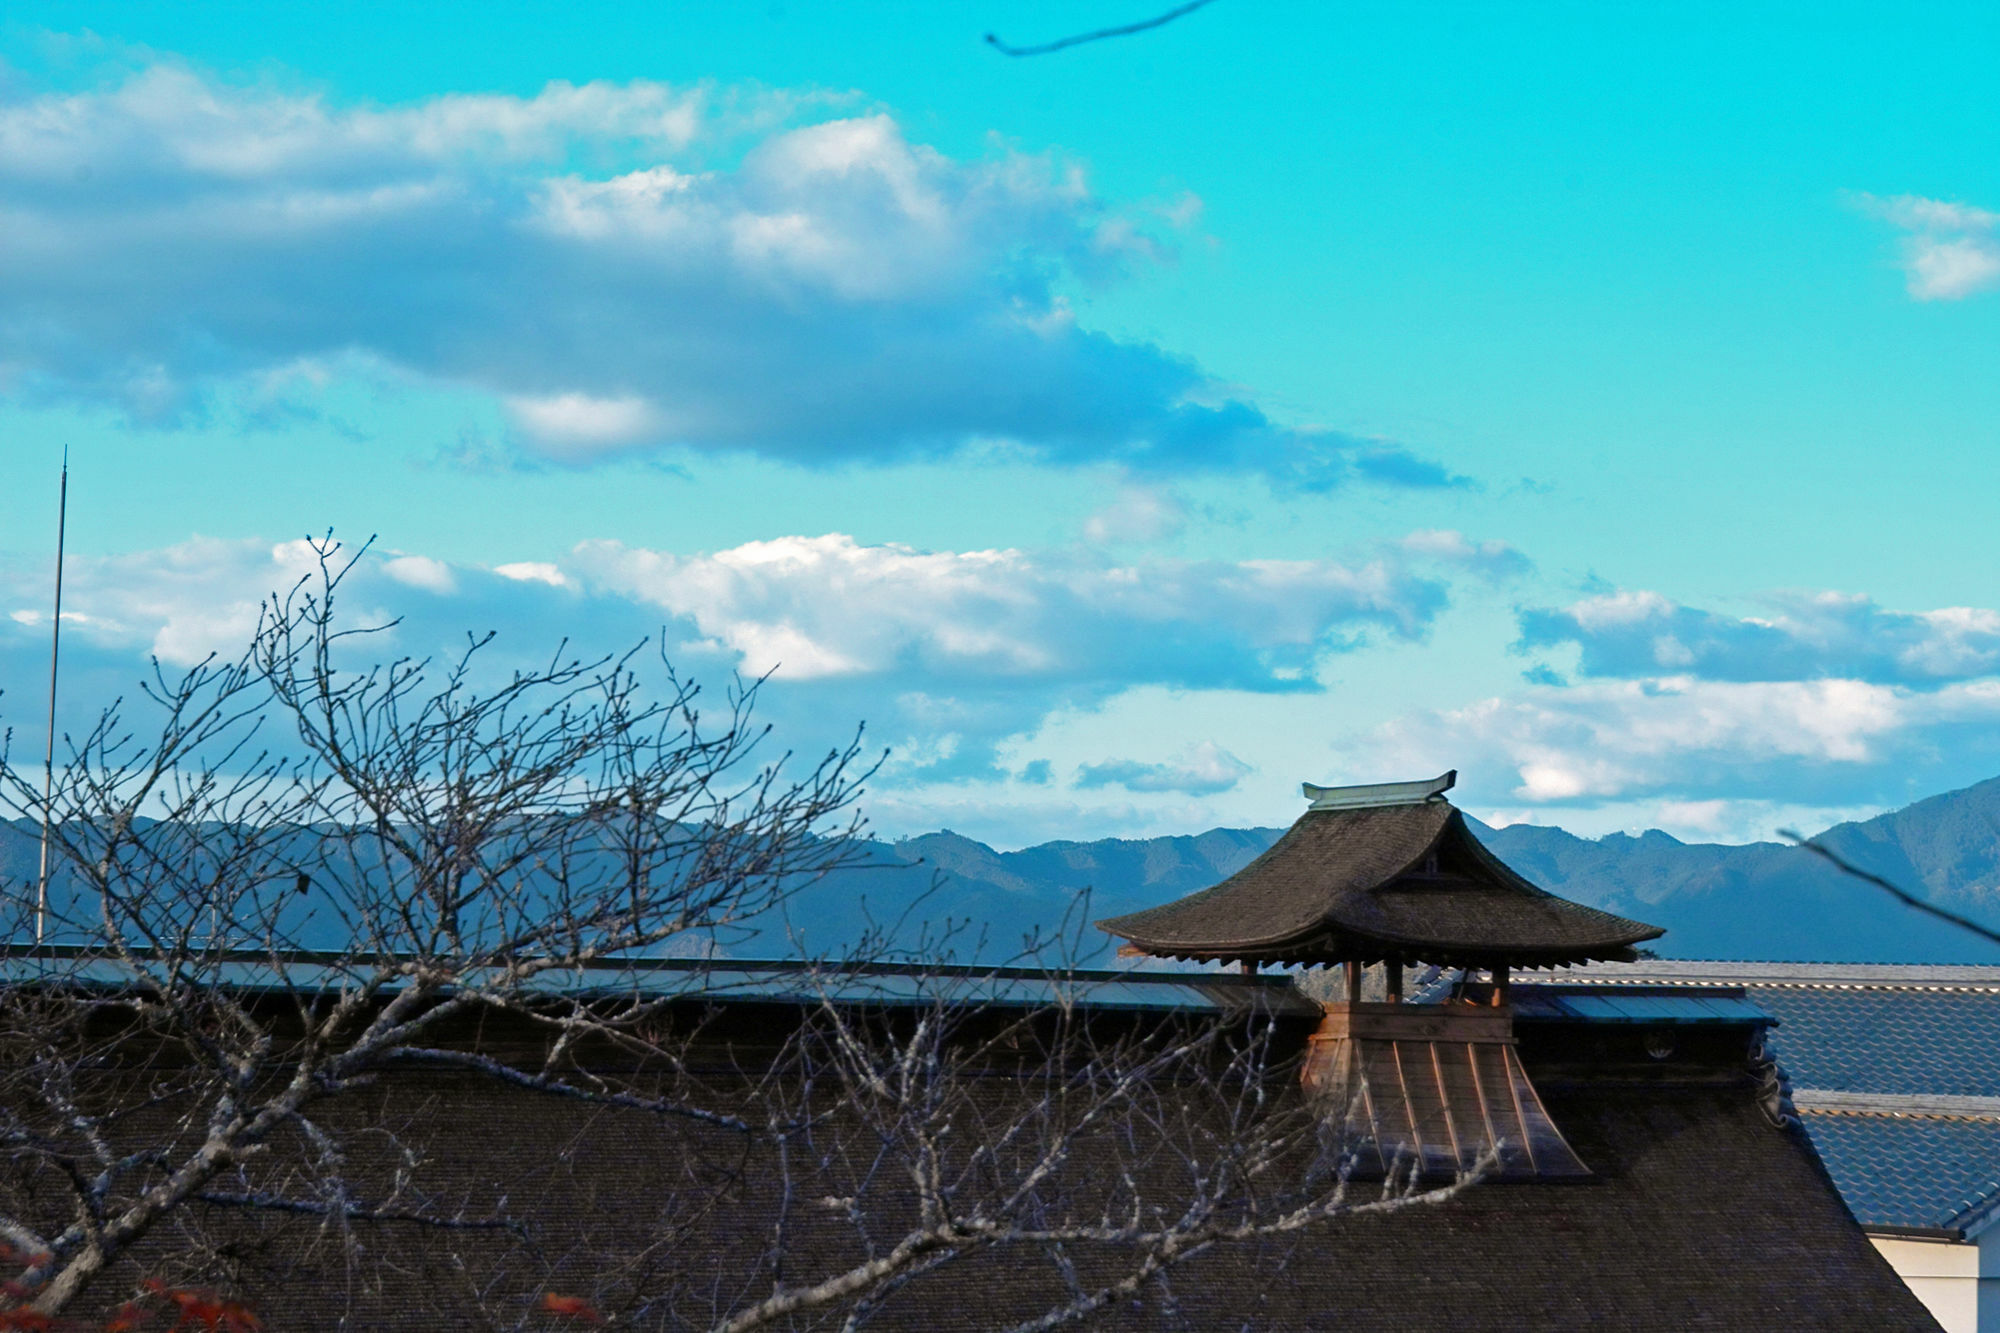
[{"x": 1404, "y": 881}]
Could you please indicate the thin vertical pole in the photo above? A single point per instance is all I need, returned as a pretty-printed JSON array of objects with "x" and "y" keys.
[{"x": 49, "y": 755}]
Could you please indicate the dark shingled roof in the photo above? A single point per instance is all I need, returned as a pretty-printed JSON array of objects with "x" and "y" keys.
[
  {"x": 1406, "y": 882},
  {"x": 1699, "y": 1214}
]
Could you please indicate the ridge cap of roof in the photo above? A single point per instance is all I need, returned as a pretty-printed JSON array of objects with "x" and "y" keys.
[
  {"x": 1935, "y": 977},
  {"x": 1914, "y": 1105},
  {"x": 1367, "y": 796}
]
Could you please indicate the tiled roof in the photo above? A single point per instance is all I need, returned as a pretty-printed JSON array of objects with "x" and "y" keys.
[
  {"x": 1905, "y": 1031},
  {"x": 1909, "y": 1171},
  {"x": 1888, "y": 1040},
  {"x": 1896, "y": 1071}
]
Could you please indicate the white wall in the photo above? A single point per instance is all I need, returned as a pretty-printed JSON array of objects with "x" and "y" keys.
[{"x": 1948, "y": 1277}]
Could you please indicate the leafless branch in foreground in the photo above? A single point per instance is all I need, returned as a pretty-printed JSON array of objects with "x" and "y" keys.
[
  {"x": 1088, "y": 1157},
  {"x": 306, "y": 871},
  {"x": 1099, "y": 34},
  {"x": 1894, "y": 890},
  {"x": 359, "y": 1005}
]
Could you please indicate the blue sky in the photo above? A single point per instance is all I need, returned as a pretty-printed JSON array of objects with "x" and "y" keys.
[{"x": 1597, "y": 400}]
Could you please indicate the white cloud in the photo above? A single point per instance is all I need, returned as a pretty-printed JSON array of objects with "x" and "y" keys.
[
  {"x": 1139, "y": 514},
  {"x": 575, "y": 423},
  {"x": 421, "y": 571},
  {"x": 1807, "y": 634},
  {"x": 1949, "y": 250},
  {"x": 167, "y": 119},
  {"x": 946, "y": 654},
  {"x": 1198, "y": 770},
  {"x": 1946, "y": 269},
  {"x": 1492, "y": 558},
  {"x": 179, "y": 604},
  {"x": 533, "y": 571},
  {"x": 828, "y": 605},
  {"x": 1915, "y": 213},
  {"x": 975, "y": 664},
  {"x": 626, "y": 266},
  {"x": 1677, "y": 739}
]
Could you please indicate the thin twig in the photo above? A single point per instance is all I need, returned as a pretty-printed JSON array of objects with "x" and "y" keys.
[
  {"x": 318, "y": 1208},
  {"x": 1099, "y": 34},
  {"x": 1894, "y": 890}
]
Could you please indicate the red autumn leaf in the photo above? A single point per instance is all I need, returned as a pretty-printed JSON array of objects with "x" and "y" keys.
[
  {"x": 128, "y": 1318},
  {"x": 205, "y": 1310},
  {"x": 28, "y": 1321},
  {"x": 570, "y": 1307}
]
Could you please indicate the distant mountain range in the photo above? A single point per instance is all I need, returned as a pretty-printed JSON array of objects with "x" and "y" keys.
[
  {"x": 944, "y": 895},
  {"x": 1765, "y": 901}
]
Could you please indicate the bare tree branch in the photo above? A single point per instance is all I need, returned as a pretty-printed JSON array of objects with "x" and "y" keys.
[
  {"x": 1896, "y": 891},
  {"x": 1099, "y": 34}
]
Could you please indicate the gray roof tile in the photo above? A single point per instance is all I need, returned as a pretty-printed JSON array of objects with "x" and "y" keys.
[{"x": 1909, "y": 1171}]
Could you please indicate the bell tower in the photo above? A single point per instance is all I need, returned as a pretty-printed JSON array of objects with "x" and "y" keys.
[{"x": 1389, "y": 873}]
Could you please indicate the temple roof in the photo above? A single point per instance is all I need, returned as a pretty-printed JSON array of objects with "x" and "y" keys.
[{"x": 1363, "y": 882}]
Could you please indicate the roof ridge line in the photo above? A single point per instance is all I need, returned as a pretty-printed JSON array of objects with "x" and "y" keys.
[{"x": 1918, "y": 1105}]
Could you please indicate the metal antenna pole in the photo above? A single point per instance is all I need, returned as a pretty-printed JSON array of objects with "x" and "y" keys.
[{"x": 49, "y": 755}]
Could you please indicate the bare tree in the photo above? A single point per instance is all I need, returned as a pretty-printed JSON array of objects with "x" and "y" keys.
[{"x": 317, "y": 882}]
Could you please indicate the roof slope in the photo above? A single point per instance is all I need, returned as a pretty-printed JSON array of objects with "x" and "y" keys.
[
  {"x": 1699, "y": 1215},
  {"x": 1910, "y": 1171},
  {"x": 1402, "y": 881}
]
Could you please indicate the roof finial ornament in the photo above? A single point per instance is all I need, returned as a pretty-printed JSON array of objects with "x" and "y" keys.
[{"x": 1378, "y": 793}]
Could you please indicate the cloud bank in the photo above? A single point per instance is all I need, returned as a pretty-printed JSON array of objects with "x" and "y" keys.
[
  {"x": 1830, "y": 702},
  {"x": 945, "y": 654},
  {"x": 623, "y": 266},
  {"x": 1806, "y": 636},
  {"x": 829, "y": 607}
]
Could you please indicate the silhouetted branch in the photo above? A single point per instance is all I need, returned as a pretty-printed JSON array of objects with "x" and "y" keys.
[
  {"x": 278, "y": 1203},
  {"x": 1099, "y": 34},
  {"x": 1894, "y": 890}
]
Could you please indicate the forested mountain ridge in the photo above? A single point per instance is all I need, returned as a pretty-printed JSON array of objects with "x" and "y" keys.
[
  {"x": 946, "y": 895},
  {"x": 1765, "y": 900}
]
